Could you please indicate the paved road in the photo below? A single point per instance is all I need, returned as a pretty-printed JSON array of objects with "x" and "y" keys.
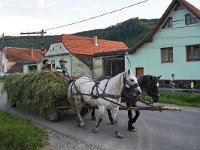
[{"x": 155, "y": 130}]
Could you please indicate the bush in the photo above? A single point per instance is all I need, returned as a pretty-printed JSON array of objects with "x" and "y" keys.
[{"x": 18, "y": 134}]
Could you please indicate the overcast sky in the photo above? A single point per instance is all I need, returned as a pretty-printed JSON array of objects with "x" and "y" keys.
[{"x": 34, "y": 15}]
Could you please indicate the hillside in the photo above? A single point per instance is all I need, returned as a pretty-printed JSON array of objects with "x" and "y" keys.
[
  {"x": 130, "y": 32},
  {"x": 26, "y": 41}
]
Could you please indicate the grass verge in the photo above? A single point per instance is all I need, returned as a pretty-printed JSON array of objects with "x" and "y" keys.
[
  {"x": 2, "y": 79},
  {"x": 181, "y": 99},
  {"x": 17, "y": 134}
]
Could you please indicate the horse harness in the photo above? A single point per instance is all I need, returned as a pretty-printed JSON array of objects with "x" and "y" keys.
[{"x": 104, "y": 95}]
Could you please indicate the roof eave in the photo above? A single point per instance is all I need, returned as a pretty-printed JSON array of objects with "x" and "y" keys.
[
  {"x": 118, "y": 52},
  {"x": 149, "y": 36}
]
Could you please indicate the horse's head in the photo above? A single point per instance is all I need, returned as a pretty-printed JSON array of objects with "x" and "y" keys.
[
  {"x": 131, "y": 81},
  {"x": 152, "y": 87}
]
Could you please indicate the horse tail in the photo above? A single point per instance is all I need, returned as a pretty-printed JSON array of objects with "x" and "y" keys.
[{"x": 70, "y": 94}]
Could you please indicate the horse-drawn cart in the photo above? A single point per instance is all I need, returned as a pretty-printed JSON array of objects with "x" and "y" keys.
[{"x": 46, "y": 92}]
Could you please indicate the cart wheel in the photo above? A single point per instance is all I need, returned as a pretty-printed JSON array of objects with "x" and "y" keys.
[
  {"x": 13, "y": 104},
  {"x": 84, "y": 111},
  {"x": 53, "y": 115}
]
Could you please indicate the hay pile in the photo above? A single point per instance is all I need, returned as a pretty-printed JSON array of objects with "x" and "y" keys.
[
  {"x": 37, "y": 91},
  {"x": 11, "y": 86}
]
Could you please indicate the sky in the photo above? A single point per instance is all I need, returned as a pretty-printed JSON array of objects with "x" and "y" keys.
[{"x": 18, "y": 16}]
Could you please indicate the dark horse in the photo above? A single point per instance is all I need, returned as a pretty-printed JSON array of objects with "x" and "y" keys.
[{"x": 149, "y": 84}]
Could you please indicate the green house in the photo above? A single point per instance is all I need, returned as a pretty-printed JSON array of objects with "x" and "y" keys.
[
  {"x": 86, "y": 56},
  {"x": 172, "y": 46}
]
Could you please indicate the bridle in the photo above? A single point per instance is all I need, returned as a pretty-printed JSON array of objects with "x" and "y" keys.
[
  {"x": 135, "y": 85},
  {"x": 150, "y": 90}
]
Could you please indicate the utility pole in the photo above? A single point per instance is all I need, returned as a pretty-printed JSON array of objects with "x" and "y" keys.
[
  {"x": 42, "y": 40},
  {"x": 1, "y": 51},
  {"x": 42, "y": 36}
]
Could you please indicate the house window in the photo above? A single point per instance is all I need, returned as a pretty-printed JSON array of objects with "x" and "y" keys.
[
  {"x": 167, "y": 55},
  {"x": 193, "y": 52},
  {"x": 189, "y": 19},
  {"x": 168, "y": 23},
  {"x": 32, "y": 68},
  {"x": 53, "y": 65}
]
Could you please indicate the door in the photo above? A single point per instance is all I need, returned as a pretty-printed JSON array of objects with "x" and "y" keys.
[
  {"x": 139, "y": 71},
  {"x": 113, "y": 66}
]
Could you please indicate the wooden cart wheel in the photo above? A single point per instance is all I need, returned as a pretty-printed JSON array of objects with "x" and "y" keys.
[{"x": 53, "y": 115}]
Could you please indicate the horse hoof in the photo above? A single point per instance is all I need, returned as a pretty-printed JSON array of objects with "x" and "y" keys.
[
  {"x": 82, "y": 124},
  {"x": 132, "y": 130},
  {"x": 93, "y": 118},
  {"x": 120, "y": 135},
  {"x": 112, "y": 123},
  {"x": 95, "y": 130}
]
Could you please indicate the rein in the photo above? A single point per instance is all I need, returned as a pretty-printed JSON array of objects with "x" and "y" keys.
[{"x": 104, "y": 95}]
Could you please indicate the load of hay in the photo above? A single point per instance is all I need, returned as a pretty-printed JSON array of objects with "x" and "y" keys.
[
  {"x": 11, "y": 86},
  {"x": 37, "y": 91}
]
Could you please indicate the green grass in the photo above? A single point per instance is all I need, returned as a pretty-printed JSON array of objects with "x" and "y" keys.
[
  {"x": 2, "y": 79},
  {"x": 181, "y": 99},
  {"x": 18, "y": 134}
]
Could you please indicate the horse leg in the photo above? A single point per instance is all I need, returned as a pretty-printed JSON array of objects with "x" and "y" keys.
[
  {"x": 93, "y": 117},
  {"x": 110, "y": 116},
  {"x": 115, "y": 112},
  {"x": 101, "y": 111},
  {"x": 80, "y": 119},
  {"x": 137, "y": 114},
  {"x": 130, "y": 123},
  {"x": 132, "y": 120}
]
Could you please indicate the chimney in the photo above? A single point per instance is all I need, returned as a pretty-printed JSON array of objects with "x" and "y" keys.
[
  {"x": 31, "y": 47},
  {"x": 95, "y": 40}
]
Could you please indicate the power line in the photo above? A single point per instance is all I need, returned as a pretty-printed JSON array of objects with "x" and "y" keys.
[{"x": 84, "y": 20}]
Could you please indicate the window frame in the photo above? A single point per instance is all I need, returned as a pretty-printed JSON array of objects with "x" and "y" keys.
[
  {"x": 191, "y": 48},
  {"x": 53, "y": 63},
  {"x": 168, "y": 24},
  {"x": 192, "y": 19},
  {"x": 167, "y": 49}
]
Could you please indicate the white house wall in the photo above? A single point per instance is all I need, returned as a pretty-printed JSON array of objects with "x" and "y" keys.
[
  {"x": 79, "y": 69},
  {"x": 57, "y": 49},
  {"x": 4, "y": 63},
  {"x": 98, "y": 66}
]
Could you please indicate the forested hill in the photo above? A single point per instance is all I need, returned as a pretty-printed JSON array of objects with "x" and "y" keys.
[
  {"x": 130, "y": 32},
  {"x": 26, "y": 41}
]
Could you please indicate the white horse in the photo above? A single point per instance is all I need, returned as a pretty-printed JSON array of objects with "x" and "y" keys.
[{"x": 105, "y": 95}]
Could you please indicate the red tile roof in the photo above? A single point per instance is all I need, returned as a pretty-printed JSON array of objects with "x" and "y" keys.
[
  {"x": 22, "y": 54},
  {"x": 149, "y": 36},
  {"x": 85, "y": 45}
]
